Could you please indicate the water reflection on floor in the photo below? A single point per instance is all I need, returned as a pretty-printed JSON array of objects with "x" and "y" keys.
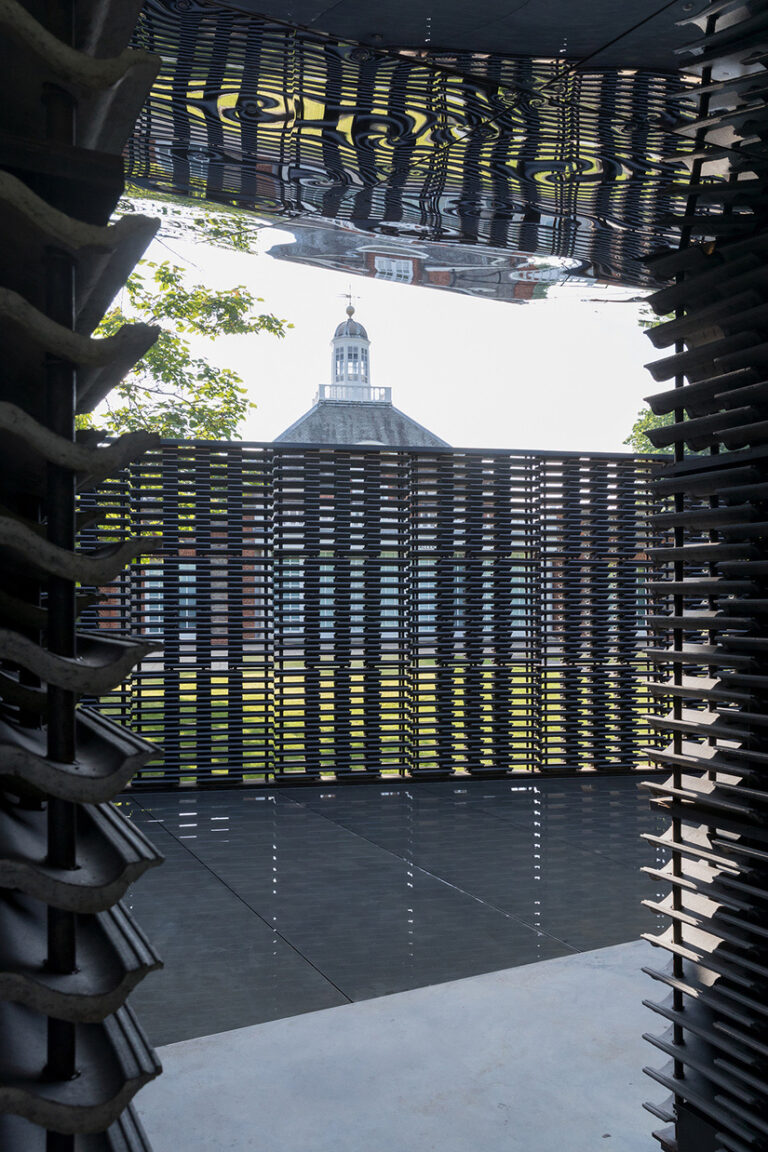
[{"x": 273, "y": 903}]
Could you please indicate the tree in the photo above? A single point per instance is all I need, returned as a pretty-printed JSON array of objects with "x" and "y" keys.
[
  {"x": 646, "y": 419},
  {"x": 170, "y": 391}
]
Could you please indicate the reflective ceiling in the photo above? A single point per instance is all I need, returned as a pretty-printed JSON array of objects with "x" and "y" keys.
[
  {"x": 540, "y": 156},
  {"x": 613, "y": 33}
]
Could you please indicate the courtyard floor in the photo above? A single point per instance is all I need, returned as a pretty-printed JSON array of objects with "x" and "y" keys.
[
  {"x": 540, "y": 1058},
  {"x": 274, "y": 903}
]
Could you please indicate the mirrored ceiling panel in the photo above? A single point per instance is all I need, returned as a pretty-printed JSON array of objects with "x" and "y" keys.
[
  {"x": 538, "y": 157},
  {"x": 611, "y": 33},
  {"x": 470, "y": 269}
]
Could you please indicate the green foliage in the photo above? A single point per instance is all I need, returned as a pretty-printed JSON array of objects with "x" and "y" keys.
[
  {"x": 170, "y": 391},
  {"x": 647, "y": 318},
  {"x": 646, "y": 419},
  {"x": 637, "y": 439}
]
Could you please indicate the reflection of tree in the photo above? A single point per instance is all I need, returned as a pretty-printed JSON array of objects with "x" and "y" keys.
[{"x": 182, "y": 218}]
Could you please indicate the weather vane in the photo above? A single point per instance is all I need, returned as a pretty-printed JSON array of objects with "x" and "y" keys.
[{"x": 349, "y": 297}]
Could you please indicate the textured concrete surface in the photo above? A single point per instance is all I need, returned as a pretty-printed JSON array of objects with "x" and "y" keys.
[{"x": 542, "y": 1058}]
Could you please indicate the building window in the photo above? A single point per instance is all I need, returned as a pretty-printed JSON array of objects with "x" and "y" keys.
[
  {"x": 293, "y": 596},
  {"x": 153, "y": 602},
  {"x": 160, "y": 611},
  {"x": 327, "y": 596},
  {"x": 187, "y": 597},
  {"x": 388, "y": 268}
]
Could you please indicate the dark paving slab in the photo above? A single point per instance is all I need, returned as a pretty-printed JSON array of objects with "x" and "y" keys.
[
  {"x": 225, "y": 967},
  {"x": 274, "y": 903},
  {"x": 370, "y": 920},
  {"x": 541, "y": 1058},
  {"x": 561, "y": 856}
]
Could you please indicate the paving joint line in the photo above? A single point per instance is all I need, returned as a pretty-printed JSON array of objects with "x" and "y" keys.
[{"x": 246, "y": 903}]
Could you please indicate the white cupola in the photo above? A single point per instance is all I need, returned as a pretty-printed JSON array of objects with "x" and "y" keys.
[
  {"x": 348, "y": 409},
  {"x": 350, "y": 360}
]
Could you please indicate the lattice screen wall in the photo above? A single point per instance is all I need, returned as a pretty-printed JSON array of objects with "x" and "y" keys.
[{"x": 364, "y": 610}]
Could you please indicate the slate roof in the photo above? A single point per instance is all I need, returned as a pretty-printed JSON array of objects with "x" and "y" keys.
[{"x": 353, "y": 422}]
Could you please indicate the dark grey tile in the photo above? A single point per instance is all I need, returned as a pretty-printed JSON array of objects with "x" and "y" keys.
[
  {"x": 282, "y": 901},
  {"x": 224, "y": 966}
]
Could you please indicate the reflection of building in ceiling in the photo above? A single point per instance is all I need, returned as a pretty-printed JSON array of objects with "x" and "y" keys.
[
  {"x": 492, "y": 273},
  {"x": 539, "y": 156},
  {"x": 350, "y": 409}
]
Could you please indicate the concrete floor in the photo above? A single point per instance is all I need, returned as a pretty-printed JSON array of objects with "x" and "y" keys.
[{"x": 541, "y": 1058}]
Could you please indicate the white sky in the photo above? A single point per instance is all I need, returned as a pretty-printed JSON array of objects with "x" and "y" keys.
[{"x": 557, "y": 374}]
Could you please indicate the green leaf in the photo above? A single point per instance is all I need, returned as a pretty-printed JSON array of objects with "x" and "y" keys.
[{"x": 170, "y": 391}]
